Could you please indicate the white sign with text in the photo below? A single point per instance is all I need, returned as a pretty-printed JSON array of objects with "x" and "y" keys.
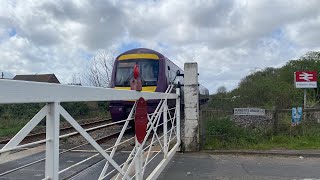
[{"x": 249, "y": 111}]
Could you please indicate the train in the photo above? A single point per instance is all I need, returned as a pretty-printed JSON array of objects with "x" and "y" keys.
[{"x": 157, "y": 73}]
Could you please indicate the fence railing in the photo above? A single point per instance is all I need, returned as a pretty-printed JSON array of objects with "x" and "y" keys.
[{"x": 165, "y": 117}]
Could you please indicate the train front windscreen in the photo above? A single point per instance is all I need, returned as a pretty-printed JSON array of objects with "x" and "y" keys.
[{"x": 149, "y": 70}]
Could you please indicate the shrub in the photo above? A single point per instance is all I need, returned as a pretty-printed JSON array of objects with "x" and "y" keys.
[
  {"x": 76, "y": 109},
  {"x": 223, "y": 133}
]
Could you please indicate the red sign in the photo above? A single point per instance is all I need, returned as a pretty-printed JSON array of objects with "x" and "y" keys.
[
  {"x": 306, "y": 76},
  {"x": 136, "y": 71},
  {"x": 141, "y": 120},
  {"x": 136, "y": 84},
  {"x": 306, "y": 79}
]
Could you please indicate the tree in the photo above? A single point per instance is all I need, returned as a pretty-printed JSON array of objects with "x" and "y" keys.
[
  {"x": 76, "y": 80},
  {"x": 271, "y": 87},
  {"x": 100, "y": 69},
  {"x": 222, "y": 90}
]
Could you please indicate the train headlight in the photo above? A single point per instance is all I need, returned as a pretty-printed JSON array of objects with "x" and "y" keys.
[{"x": 120, "y": 109}]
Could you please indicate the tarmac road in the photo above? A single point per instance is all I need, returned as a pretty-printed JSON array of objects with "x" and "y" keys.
[
  {"x": 208, "y": 166},
  {"x": 187, "y": 166}
]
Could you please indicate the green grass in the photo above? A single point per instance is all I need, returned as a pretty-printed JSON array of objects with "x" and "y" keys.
[
  {"x": 13, "y": 117},
  {"x": 11, "y": 127},
  {"x": 222, "y": 133},
  {"x": 285, "y": 142}
]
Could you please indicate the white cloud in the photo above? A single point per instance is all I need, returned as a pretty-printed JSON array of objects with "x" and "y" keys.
[{"x": 228, "y": 38}]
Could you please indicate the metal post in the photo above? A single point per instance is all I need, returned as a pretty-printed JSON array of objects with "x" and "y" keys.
[
  {"x": 138, "y": 162},
  {"x": 178, "y": 115},
  {"x": 52, "y": 146},
  {"x": 304, "y": 104},
  {"x": 165, "y": 129},
  {"x": 305, "y": 98}
]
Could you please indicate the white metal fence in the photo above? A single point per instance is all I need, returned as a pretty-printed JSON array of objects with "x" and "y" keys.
[{"x": 158, "y": 146}]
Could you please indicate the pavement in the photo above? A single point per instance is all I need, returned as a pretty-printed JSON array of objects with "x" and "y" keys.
[
  {"x": 235, "y": 164},
  {"x": 89, "y": 170},
  {"x": 190, "y": 166}
]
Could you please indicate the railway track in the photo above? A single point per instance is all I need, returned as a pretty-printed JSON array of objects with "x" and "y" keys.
[
  {"x": 104, "y": 140},
  {"x": 63, "y": 131},
  {"x": 99, "y": 141}
]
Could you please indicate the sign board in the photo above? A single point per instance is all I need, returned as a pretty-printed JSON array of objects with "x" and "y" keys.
[
  {"x": 296, "y": 116},
  {"x": 305, "y": 79},
  {"x": 249, "y": 111},
  {"x": 141, "y": 120}
]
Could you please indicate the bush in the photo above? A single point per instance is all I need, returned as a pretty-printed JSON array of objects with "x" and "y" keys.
[
  {"x": 14, "y": 116},
  {"x": 103, "y": 106},
  {"x": 76, "y": 109},
  {"x": 19, "y": 111},
  {"x": 223, "y": 133}
]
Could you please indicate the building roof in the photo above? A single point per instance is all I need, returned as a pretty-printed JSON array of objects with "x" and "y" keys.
[{"x": 50, "y": 78}]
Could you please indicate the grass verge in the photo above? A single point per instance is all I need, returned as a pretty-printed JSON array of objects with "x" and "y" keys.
[
  {"x": 11, "y": 127},
  {"x": 222, "y": 133},
  {"x": 13, "y": 117}
]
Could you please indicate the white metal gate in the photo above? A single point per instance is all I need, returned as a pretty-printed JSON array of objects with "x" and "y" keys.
[{"x": 157, "y": 143}]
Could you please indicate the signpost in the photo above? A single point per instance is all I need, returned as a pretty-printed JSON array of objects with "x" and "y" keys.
[
  {"x": 305, "y": 79},
  {"x": 249, "y": 111},
  {"x": 140, "y": 125}
]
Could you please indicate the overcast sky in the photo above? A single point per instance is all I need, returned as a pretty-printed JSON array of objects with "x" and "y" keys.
[{"x": 228, "y": 39}]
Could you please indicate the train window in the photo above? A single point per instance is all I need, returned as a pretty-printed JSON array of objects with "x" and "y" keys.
[
  {"x": 124, "y": 73},
  {"x": 149, "y": 70}
]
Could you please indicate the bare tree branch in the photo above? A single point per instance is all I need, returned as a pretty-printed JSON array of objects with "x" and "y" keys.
[
  {"x": 100, "y": 67},
  {"x": 76, "y": 80}
]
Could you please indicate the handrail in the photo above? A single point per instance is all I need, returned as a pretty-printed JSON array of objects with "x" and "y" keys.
[{"x": 35, "y": 92}]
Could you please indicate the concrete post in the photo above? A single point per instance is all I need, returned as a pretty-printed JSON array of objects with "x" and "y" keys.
[{"x": 191, "y": 108}]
